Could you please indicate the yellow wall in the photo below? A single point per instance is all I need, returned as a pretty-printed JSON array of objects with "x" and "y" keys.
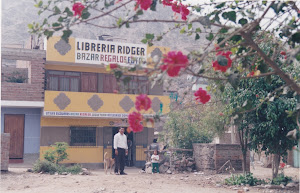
[
  {"x": 79, "y": 102},
  {"x": 53, "y": 55},
  {"x": 83, "y": 154}
]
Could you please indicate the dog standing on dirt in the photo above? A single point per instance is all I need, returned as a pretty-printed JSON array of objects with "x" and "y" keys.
[{"x": 108, "y": 162}]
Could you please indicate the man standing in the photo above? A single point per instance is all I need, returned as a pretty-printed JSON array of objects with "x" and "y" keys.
[{"x": 121, "y": 149}]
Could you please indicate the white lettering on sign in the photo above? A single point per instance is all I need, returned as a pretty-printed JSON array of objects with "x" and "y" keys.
[{"x": 106, "y": 52}]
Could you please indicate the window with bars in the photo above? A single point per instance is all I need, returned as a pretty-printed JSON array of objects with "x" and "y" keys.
[{"x": 83, "y": 136}]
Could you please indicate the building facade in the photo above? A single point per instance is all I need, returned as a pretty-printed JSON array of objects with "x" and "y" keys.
[
  {"x": 85, "y": 104},
  {"x": 22, "y": 100}
]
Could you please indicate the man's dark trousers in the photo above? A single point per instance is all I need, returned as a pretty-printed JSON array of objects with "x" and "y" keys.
[{"x": 120, "y": 160}]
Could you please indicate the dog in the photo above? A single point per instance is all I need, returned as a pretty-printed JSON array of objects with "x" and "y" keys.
[{"x": 108, "y": 162}]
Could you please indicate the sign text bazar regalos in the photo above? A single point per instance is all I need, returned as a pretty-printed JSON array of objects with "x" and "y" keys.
[{"x": 106, "y": 52}]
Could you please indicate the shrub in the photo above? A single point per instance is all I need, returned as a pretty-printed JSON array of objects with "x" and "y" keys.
[
  {"x": 281, "y": 179},
  {"x": 45, "y": 166},
  {"x": 57, "y": 154},
  {"x": 48, "y": 167},
  {"x": 243, "y": 179}
]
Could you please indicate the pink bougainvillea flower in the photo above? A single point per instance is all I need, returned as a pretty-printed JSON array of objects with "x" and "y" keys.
[
  {"x": 173, "y": 62},
  {"x": 282, "y": 165},
  {"x": 250, "y": 74},
  {"x": 283, "y": 53},
  {"x": 176, "y": 7},
  {"x": 113, "y": 66},
  {"x": 143, "y": 102},
  {"x": 219, "y": 63},
  {"x": 221, "y": 114},
  {"x": 78, "y": 8},
  {"x": 202, "y": 96},
  {"x": 167, "y": 2},
  {"x": 144, "y": 4},
  {"x": 134, "y": 120},
  {"x": 184, "y": 12}
]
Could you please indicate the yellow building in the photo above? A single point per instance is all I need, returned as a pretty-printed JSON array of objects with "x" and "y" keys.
[{"x": 82, "y": 107}]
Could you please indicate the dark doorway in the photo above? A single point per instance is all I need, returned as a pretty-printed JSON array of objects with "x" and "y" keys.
[
  {"x": 14, "y": 125},
  {"x": 130, "y": 158}
]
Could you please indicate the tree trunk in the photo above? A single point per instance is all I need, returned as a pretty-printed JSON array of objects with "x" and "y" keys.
[
  {"x": 244, "y": 160},
  {"x": 275, "y": 165}
]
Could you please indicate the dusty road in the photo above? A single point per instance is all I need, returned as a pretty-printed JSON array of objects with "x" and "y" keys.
[{"x": 18, "y": 180}]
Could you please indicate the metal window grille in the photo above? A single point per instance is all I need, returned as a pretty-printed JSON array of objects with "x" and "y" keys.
[{"x": 83, "y": 136}]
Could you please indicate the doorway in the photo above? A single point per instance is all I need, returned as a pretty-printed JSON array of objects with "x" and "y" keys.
[
  {"x": 130, "y": 159},
  {"x": 14, "y": 125}
]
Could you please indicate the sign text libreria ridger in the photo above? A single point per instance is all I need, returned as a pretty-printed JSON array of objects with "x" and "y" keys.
[{"x": 96, "y": 52}]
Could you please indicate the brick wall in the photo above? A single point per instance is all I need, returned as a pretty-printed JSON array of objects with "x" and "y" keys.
[
  {"x": 25, "y": 91},
  {"x": 5, "y": 144},
  {"x": 211, "y": 157}
]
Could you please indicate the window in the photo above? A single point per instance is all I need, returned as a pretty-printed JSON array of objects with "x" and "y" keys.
[
  {"x": 135, "y": 85},
  {"x": 63, "y": 81},
  {"x": 89, "y": 82},
  {"x": 83, "y": 136}
]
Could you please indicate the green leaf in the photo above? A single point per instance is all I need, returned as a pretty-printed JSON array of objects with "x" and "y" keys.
[
  {"x": 48, "y": 33},
  {"x": 243, "y": 21},
  {"x": 236, "y": 38},
  {"x": 182, "y": 31},
  {"x": 140, "y": 12},
  {"x": 85, "y": 14},
  {"x": 60, "y": 19},
  {"x": 40, "y": 4},
  {"x": 57, "y": 26},
  {"x": 158, "y": 38},
  {"x": 210, "y": 37},
  {"x": 234, "y": 80},
  {"x": 40, "y": 12},
  {"x": 149, "y": 36},
  {"x": 30, "y": 26},
  {"x": 127, "y": 25},
  {"x": 56, "y": 10},
  {"x": 197, "y": 37},
  {"x": 66, "y": 35},
  {"x": 68, "y": 11},
  {"x": 190, "y": 26},
  {"x": 119, "y": 22},
  {"x": 223, "y": 30},
  {"x": 220, "y": 5},
  {"x": 198, "y": 30},
  {"x": 153, "y": 5},
  {"x": 144, "y": 41},
  {"x": 231, "y": 15}
]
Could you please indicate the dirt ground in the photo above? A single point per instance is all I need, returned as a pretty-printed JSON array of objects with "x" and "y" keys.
[{"x": 18, "y": 180}]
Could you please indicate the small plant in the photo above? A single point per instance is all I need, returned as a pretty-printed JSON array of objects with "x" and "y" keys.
[
  {"x": 16, "y": 77},
  {"x": 57, "y": 154},
  {"x": 75, "y": 169},
  {"x": 45, "y": 166},
  {"x": 281, "y": 179},
  {"x": 243, "y": 179}
]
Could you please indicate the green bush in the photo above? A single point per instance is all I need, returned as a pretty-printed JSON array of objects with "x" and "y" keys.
[
  {"x": 71, "y": 169},
  {"x": 281, "y": 179},
  {"x": 57, "y": 154},
  {"x": 45, "y": 166},
  {"x": 243, "y": 179}
]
